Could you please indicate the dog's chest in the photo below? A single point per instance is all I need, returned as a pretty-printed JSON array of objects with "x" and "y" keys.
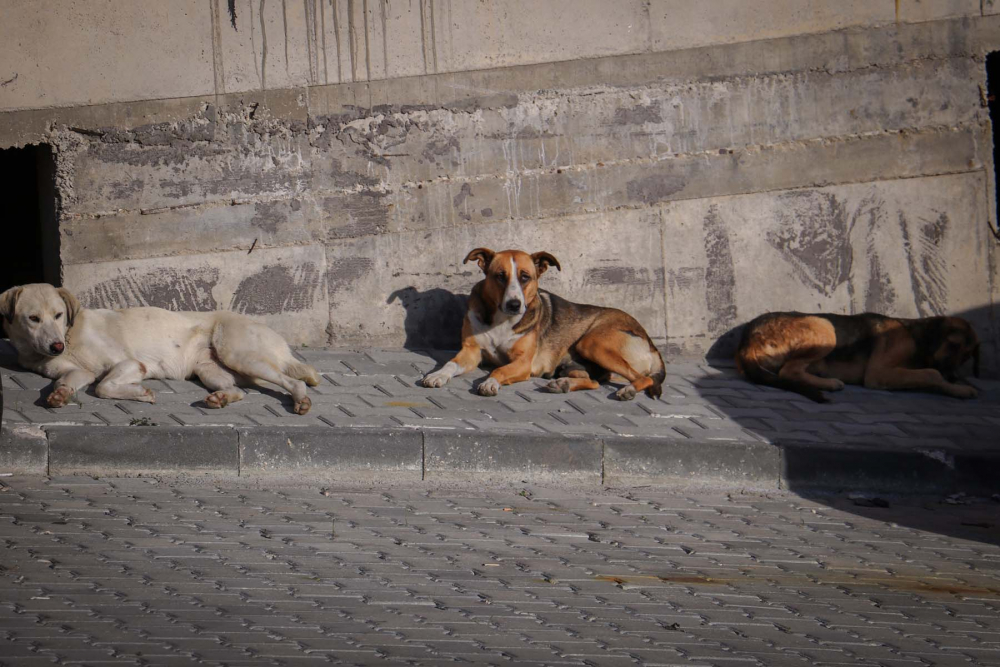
[{"x": 495, "y": 339}]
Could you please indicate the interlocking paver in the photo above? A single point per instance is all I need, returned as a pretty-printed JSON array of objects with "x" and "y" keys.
[{"x": 169, "y": 572}]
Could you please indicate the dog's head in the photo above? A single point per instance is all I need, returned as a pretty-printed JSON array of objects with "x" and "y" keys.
[
  {"x": 38, "y": 316},
  {"x": 952, "y": 343},
  {"x": 511, "y": 283}
]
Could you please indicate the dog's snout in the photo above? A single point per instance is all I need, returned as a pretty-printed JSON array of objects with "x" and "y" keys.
[
  {"x": 56, "y": 348},
  {"x": 512, "y": 305}
]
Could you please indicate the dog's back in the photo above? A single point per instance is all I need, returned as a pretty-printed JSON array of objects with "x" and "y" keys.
[{"x": 772, "y": 339}]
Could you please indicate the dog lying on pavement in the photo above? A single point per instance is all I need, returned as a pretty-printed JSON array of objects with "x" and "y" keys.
[
  {"x": 58, "y": 339},
  {"x": 809, "y": 354},
  {"x": 528, "y": 332}
]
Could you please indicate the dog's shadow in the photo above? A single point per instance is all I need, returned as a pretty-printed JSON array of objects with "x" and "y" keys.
[{"x": 433, "y": 319}]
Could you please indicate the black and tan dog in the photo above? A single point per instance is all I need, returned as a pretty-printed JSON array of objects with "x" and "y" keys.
[
  {"x": 808, "y": 354},
  {"x": 528, "y": 332}
]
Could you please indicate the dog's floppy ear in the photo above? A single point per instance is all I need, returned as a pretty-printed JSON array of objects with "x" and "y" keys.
[
  {"x": 543, "y": 261},
  {"x": 482, "y": 255},
  {"x": 72, "y": 305},
  {"x": 975, "y": 360},
  {"x": 8, "y": 300}
]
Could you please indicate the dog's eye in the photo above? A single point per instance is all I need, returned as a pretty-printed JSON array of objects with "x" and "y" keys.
[
  {"x": 525, "y": 277},
  {"x": 35, "y": 318},
  {"x": 58, "y": 315},
  {"x": 502, "y": 277}
]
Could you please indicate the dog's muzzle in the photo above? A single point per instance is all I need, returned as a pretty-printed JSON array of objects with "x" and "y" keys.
[
  {"x": 55, "y": 349},
  {"x": 512, "y": 307}
]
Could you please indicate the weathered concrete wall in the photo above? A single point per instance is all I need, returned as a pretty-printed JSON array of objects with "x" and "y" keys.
[
  {"x": 698, "y": 163},
  {"x": 62, "y": 53}
]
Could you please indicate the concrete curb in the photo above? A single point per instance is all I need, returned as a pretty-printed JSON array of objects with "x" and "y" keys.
[{"x": 415, "y": 455}]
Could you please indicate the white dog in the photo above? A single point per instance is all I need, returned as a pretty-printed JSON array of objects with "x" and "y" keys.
[{"x": 57, "y": 338}]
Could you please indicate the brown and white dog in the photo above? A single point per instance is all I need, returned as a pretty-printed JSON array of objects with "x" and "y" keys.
[
  {"x": 528, "y": 332},
  {"x": 812, "y": 353}
]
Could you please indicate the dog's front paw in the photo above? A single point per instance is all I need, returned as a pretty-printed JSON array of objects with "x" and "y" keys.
[
  {"x": 434, "y": 380},
  {"x": 148, "y": 396},
  {"x": 963, "y": 391},
  {"x": 489, "y": 387},
  {"x": 60, "y": 397}
]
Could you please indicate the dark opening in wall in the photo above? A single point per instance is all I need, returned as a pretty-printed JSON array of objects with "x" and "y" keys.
[
  {"x": 993, "y": 95},
  {"x": 29, "y": 252}
]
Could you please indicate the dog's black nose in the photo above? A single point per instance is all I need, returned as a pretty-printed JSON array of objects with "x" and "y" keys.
[
  {"x": 56, "y": 348},
  {"x": 512, "y": 305}
]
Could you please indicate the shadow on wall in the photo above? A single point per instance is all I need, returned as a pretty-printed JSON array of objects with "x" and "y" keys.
[
  {"x": 886, "y": 442},
  {"x": 433, "y": 317}
]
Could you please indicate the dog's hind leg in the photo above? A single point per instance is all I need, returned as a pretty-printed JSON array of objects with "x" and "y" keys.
[
  {"x": 572, "y": 382},
  {"x": 122, "y": 381},
  {"x": 304, "y": 372},
  {"x": 257, "y": 367},
  {"x": 615, "y": 351},
  {"x": 258, "y": 353},
  {"x": 222, "y": 383},
  {"x": 570, "y": 375}
]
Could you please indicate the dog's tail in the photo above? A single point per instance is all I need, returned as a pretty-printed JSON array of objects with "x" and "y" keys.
[
  {"x": 755, "y": 369},
  {"x": 304, "y": 372}
]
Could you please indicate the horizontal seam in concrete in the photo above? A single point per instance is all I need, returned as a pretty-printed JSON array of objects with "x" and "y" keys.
[
  {"x": 389, "y": 188},
  {"x": 553, "y": 217},
  {"x": 709, "y": 152},
  {"x": 657, "y": 205}
]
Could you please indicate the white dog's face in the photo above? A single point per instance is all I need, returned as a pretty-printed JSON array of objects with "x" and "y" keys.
[{"x": 37, "y": 317}]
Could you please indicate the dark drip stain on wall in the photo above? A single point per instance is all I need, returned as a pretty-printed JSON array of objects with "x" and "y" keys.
[
  {"x": 720, "y": 275},
  {"x": 813, "y": 234}
]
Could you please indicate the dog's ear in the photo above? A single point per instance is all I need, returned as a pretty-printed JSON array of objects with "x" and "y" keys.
[
  {"x": 8, "y": 300},
  {"x": 543, "y": 261},
  {"x": 975, "y": 360},
  {"x": 482, "y": 255},
  {"x": 72, "y": 305}
]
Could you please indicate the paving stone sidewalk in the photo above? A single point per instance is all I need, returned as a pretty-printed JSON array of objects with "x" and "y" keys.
[
  {"x": 371, "y": 395},
  {"x": 148, "y": 572}
]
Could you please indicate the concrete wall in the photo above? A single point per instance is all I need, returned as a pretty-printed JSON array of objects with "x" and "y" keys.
[{"x": 327, "y": 165}]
